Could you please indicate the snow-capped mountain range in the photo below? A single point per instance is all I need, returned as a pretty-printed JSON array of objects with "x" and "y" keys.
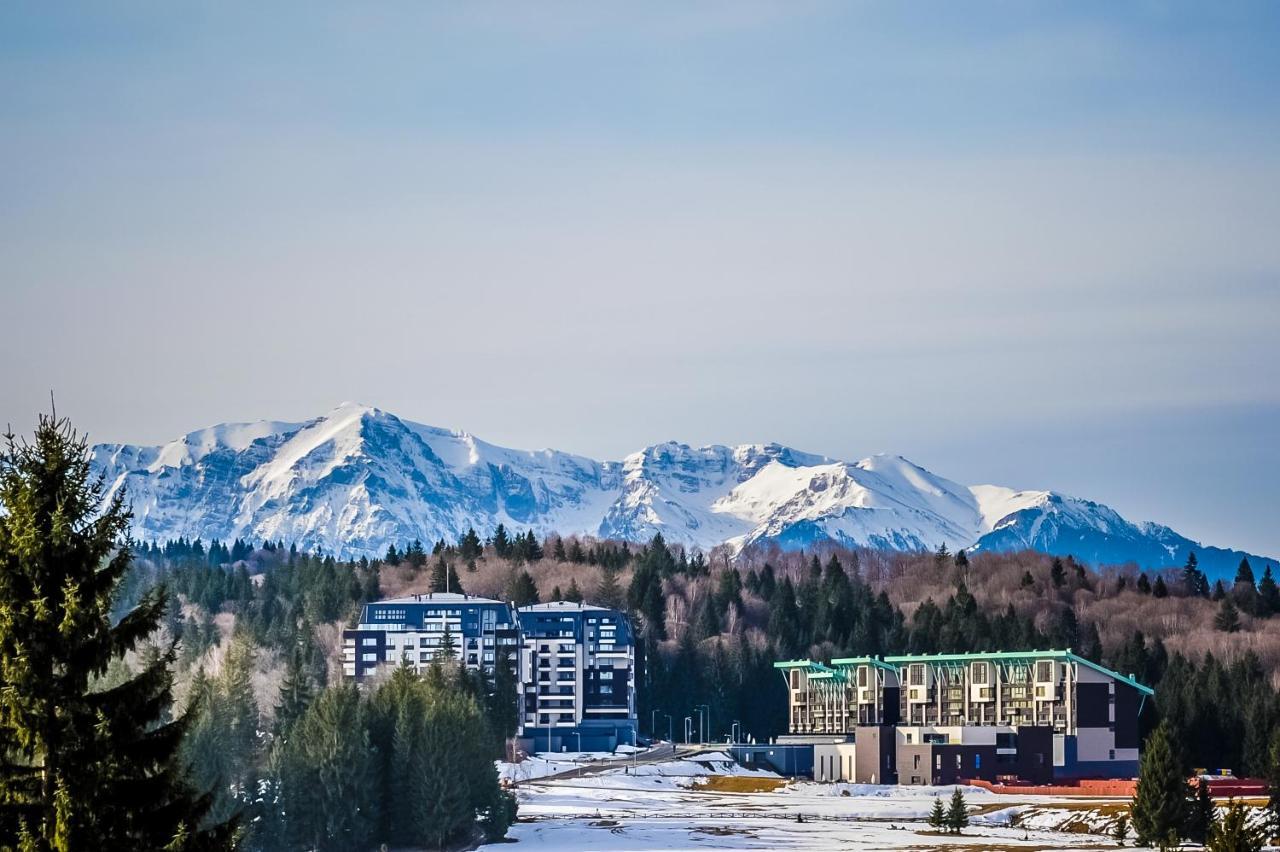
[{"x": 359, "y": 478}]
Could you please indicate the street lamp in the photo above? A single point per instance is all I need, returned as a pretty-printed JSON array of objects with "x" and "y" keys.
[
  {"x": 698, "y": 710},
  {"x": 688, "y": 723},
  {"x": 578, "y": 734},
  {"x": 653, "y": 721},
  {"x": 733, "y": 731},
  {"x": 670, "y": 737},
  {"x": 706, "y": 721}
]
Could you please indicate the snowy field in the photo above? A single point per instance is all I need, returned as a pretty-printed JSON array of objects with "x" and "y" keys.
[{"x": 709, "y": 802}]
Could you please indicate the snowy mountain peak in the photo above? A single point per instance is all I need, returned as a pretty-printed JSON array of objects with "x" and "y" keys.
[{"x": 359, "y": 478}]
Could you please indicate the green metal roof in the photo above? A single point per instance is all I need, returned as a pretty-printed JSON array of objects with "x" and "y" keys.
[
  {"x": 1048, "y": 654},
  {"x": 850, "y": 662},
  {"x": 893, "y": 663}
]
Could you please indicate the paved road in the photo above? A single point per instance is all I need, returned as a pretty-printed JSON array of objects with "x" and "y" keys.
[{"x": 661, "y": 753}]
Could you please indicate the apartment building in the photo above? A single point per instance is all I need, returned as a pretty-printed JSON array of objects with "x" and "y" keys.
[
  {"x": 1028, "y": 715},
  {"x": 577, "y": 675},
  {"x": 575, "y": 663},
  {"x": 414, "y": 628}
]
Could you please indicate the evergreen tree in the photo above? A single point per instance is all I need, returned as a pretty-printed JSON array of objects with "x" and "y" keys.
[
  {"x": 444, "y": 577},
  {"x": 608, "y": 592},
  {"x": 1027, "y": 580},
  {"x": 469, "y": 546},
  {"x": 1272, "y": 776},
  {"x": 392, "y": 557},
  {"x": 1159, "y": 589},
  {"x": 295, "y": 694},
  {"x": 957, "y": 813},
  {"x": 501, "y": 542},
  {"x": 557, "y": 551},
  {"x": 1120, "y": 831},
  {"x": 1268, "y": 594},
  {"x": 1144, "y": 585},
  {"x": 1057, "y": 573},
  {"x": 1218, "y": 591},
  {"x": 1228, "y": 617},
  {"x": 521, "y": 590},
  {"x": 448, "y": 648},
  {"x": 1194, "y": 581},
  {"x": 1235, "y": 833},
  {"x": 80, "y": 767},
  {"x": 1160, "y": 804},
  {"x": 371, "y": 589},
  {"x": 327, "y": 776},
  {"x": 938, "y": 816},
  {"x": 574, "y": 595}
]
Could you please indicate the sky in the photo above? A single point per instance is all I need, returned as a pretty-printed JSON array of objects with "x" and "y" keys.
[{"x": 1034, "y": 244}]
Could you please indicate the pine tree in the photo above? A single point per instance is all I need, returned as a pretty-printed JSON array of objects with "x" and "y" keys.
[
  {"x": 574, "y": 595},
  {"x": 1160, "y": 803},
  {"x": 1144, "y": 585},
  {"x": 327, "y": 775},
  {"x": 295, "y": 694},
  {"x": 1235, "y": 833},
  {"x": 74, "y": 758},
  {"x": 1272, "y": 776},
  {"x": 557, "y": 551},
  {"x": 1057, "y": 573},
  {"x": 1159, "y": 589},
  {"x": 1268, "y": 594},
  {"x": 1027, "y": 580},
  {"x": 448, "y": 648},
  {"x": 958, "y": 812},
  {"x": 1228, "y": 618},
  {"x": 938, "y": 816},
  {"x": 1120, "y": 831},
  {"x": 444, "y": 577},
  {"x": 608, "y": 592},
  {"x": 522, "y": 591}
]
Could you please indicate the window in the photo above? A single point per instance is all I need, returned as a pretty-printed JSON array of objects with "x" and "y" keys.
[
  {"x": 958, "y": 764},
  {"x": 937, "y": 761},
  {"x": 916, "y": 675},
  {"x": 980, "y": 672},
  {"x": 915, "y": 763},
  {"x": 1044, "y": 671},
  {"x": 977, "y": 761},
  {"x": 862, "y": 676},
  {"x": 369, "y": 658},
  {"x": 1111, "y": 754}
]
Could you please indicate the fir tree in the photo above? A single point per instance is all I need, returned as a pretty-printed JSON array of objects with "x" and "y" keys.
[
  {"x": 608, "y": 592},
  {"x": 1120, "y": 831},
  {"x": 295, "y": 694},
  {"x": 1272, "y": 776},
  {"x": 521, "y": 590},
  {"x": 1159, "y": 589},
  {"x": 444, "y": 578},
  {"x": 574, "y": 595},
  {"x": 1027, "y": 580},
  {"x": 1160, "y": 804},
  {"x": 1057, "y": 573},
  {"x": 1144, "y": 585},
  {"x": 327, "y": 775},
  {"x": 1228, "y": 618},
  {"x": 938, "y": 816},
  {"x": 957, "y": 813},
  {"x": 73, "y": 758},
  {"x": 448, "y": 648},
  {"x": 1268, "y": 594},
  {"x": 557, "y": 550},
  {"x": 1235, "y": 833}
]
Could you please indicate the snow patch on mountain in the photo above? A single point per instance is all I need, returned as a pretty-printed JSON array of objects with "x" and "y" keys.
[{"x": 359, "y": 478}]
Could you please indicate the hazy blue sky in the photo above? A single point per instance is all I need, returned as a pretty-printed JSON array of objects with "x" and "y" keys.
[{"x": 1034, "y": 244}]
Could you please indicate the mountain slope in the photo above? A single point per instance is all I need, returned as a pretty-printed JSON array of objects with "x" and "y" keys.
[{"x": 358, "y": 478}]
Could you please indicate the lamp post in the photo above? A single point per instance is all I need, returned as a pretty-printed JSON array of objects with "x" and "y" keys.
[
  {"x": 653, "y": 721},
  {"x": 578, "y": 734},
  {"x": 706, "y": 720},
  {"x": 733, "y": 731},
  {"x": 688, "y": 723},
  {"x": 670, "y": 737}
]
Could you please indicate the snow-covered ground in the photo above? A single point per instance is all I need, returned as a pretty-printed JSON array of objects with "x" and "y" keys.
[{"x": 692, "y": 804}]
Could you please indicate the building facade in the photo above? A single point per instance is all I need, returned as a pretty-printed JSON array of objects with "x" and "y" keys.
[
  {"x": 577, "y": 677},
  {"x": 1032, "y": 716},
  {"x": 574, "y": 663}
]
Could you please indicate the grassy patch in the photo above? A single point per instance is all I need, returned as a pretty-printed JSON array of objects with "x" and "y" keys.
[{"x": 739, "y": 784}]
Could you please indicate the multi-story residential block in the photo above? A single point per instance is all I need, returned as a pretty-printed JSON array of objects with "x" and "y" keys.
[
  {"x": 577, "y": 675},
  {"x": 1029, "y": 715},
  {"x": 413, "y": 628},
  {"x": 575, "y": 663}
]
